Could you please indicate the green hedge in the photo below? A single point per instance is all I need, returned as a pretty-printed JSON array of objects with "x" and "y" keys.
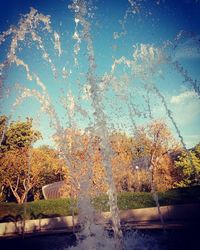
[
  {"x": 36, "y": 209},
  {"x": 61, "y": 207}
]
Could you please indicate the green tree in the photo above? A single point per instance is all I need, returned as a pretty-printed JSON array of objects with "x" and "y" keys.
[
  {"x": 3, "y": 128},
  {"x": 188, "y": 167},
  {"x": 21, "y": 134},
  {"x": 15, "y": 149}
]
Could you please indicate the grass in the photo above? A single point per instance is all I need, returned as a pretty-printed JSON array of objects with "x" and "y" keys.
[{"x": 126, "y": 200}]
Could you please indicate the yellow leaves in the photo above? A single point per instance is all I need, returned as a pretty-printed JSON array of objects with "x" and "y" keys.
[
  {"x": 15, "y": 160},
  {"x": 31, "y": 166},
  {"x": 84, "y": 156}
]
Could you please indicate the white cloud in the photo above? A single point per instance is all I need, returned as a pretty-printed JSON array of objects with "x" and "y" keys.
[
  {"x": 186, "y": 108},
  {"x": 184, "y": 96}
]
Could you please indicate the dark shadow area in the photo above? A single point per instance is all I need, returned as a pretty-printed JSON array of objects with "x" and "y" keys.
[
  {"x": 11, "y": 218},
  {"x": 181, "y": 239},
  {"x": 42, "y": 216},
  {"x": 182, "y": 216},
  {"x": 42, "y": 242}
]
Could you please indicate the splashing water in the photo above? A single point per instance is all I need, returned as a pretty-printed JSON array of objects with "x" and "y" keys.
[{"x": 100, "y": 100}]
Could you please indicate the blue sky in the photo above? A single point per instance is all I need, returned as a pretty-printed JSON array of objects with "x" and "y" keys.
[{"x": 138, "y": 33}]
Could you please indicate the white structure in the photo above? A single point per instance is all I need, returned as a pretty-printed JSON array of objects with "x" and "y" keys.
[{"x": 55, "y": 190}]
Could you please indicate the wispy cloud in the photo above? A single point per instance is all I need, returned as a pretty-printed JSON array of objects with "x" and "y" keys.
[
  {"x": 187, "y": 53},
  {"x": 183, "y": 97},
  {"x": 188, "y": 48}
]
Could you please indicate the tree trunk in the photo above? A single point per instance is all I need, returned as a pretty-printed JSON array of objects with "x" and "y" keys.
[
  {"x": 20, "y": 200},
  {"x": 23, "y": 197}
]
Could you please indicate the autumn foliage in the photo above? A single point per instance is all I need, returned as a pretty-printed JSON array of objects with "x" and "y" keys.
[{"x": 150, "y": 159}]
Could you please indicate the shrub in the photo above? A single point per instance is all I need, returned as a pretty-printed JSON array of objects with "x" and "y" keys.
[{"x": 126, "y": 200}]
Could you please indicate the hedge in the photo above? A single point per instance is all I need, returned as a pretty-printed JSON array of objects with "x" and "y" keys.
[{"x": 126, "y": 200}]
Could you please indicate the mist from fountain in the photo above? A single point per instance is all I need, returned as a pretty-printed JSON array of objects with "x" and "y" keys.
[{"x": 136, "y": 81}]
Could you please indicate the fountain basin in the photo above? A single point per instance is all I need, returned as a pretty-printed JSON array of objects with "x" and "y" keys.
[{"x": 149, "y": 239}]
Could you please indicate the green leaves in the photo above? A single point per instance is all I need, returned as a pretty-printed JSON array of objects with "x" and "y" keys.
[
  {"x": 188, "y": 164},
  {"x": 21, "y": 134},
  {"x": 16, "y": 143}
]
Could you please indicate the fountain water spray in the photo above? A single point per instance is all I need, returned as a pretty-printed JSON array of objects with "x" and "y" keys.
[
  {"x": 137, "y": 81},
  {"x": 100, "y": 129}
]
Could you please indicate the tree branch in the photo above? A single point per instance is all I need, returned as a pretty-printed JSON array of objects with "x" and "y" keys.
[{"x": 17, "y": 183}]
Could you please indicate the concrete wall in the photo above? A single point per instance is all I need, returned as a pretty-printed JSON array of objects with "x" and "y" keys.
[{"x": 181, "y": 214}]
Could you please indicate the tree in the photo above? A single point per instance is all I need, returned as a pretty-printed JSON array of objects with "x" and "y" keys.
[
  {"x": 49, "y": 167},
  {"x": 21, "y": 134},
  {"x": 3, "y": 128},
  {"x": 121, "y": 161},
  {"x": 188, "y": 167},
  {"x": 15, "y": 171},
  {"x": 156, "y": 142},
  {"x": 82, "y": 150}
]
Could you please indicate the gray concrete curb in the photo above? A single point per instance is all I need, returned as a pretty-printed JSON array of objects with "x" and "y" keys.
[{"x": 174, "y": 216}]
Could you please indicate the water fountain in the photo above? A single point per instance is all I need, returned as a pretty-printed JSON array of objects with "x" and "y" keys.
[{"x": 92, "y": 99}]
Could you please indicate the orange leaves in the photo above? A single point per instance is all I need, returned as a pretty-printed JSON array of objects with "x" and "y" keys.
[{"x": 149, "y": 150}]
